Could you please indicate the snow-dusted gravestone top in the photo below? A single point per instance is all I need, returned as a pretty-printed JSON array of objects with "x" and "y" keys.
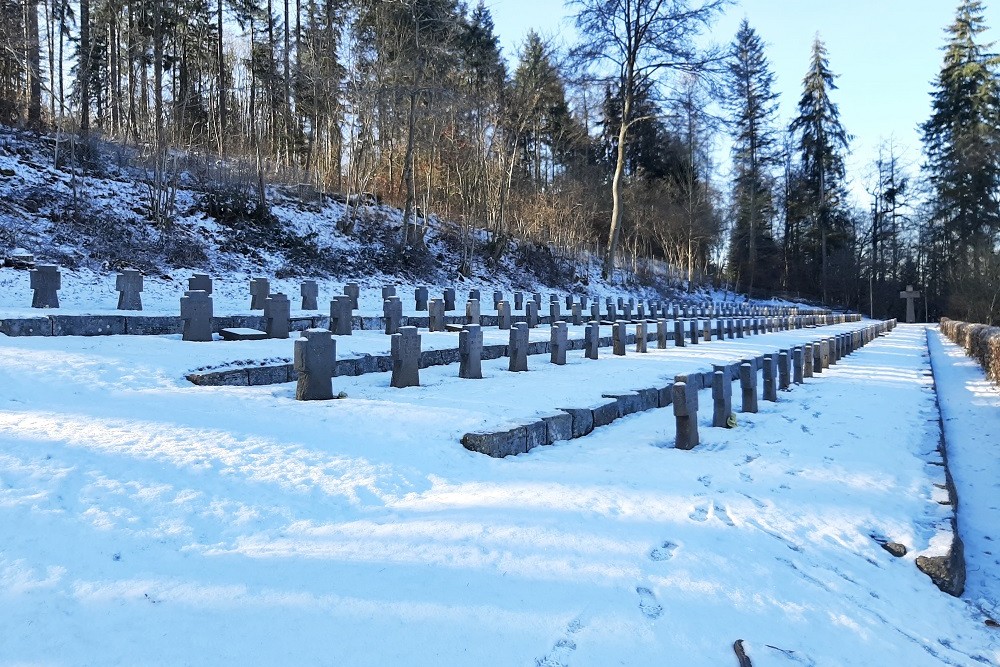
[
  {"x": 242, "y": 333},
  {"x": 200, "y": 282},
  {"x": 910, "y": 295},
  {"x": 340, "y": 315},
  {"x": 310, "y": 295},
  {"x": 196, "y": 312},
  {"x": 129, "y": 286},
  {"x": 470, "y": 350},
  {"x": 517, "y": 348},
  {"x": 260, "y": 288},
  {"x": 45, "y": 281},
  {"x": 405, "y": 358},
  {"x": 277, "y": 312},
  {"x": 315, "y": 352}
]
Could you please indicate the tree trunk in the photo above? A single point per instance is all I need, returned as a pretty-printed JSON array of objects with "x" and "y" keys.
[
  {"x": 83, "y": 69},
  {"x": 34, "y": 67},
  {"x": 222, "y": 82},
  {"x": 616, "y": 183},
  {"x": 408, "y": 183}
]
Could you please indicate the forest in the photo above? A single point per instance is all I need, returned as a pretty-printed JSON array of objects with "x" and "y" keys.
[{"x": 608, "y": 147}]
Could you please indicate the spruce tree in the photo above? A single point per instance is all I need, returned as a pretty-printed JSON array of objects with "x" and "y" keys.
[
  {"x": 962, "y": 145},
  {"x": 752, "y": 106},
  {"x": 822, "y": 142}
]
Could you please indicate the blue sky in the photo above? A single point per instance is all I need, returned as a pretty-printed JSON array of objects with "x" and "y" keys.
[{"x": 885, "y": 53}]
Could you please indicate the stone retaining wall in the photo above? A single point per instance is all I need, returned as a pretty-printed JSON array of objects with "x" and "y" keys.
[
  {"x": 979, "y": 341},
  {"x": 583, "y": 420}
]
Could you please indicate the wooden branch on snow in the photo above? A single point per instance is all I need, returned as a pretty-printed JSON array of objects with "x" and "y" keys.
[{"x": 741, "y": 655}]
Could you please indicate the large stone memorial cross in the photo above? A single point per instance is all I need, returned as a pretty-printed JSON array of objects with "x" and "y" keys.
[{"x": 910, "y": 295}]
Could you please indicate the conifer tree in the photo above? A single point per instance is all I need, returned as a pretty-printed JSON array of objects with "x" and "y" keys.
[{"x": 752, "y": 105}]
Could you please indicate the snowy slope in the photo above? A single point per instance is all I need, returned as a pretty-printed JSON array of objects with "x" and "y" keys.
[{"x": 148, "y": 521}]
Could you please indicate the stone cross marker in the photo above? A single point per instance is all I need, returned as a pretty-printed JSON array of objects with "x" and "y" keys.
[
  {"x": 770, "y": 384},
  {"x": 260, "y": 288},
  {"x": 420, "y": 296},
  {"x": 129, "y": 286},
  {"x": 340, "y": 315},
  {"x": 685, "y": 401},
  {"x": 470, "y": 352},
  {"x": 497, "y": 298},
  {"x": 518, "y": 347},
  {"x": 569, "y": 302},
  {"x": 503, "y": 316},
  {"x": 807, "y": 360},
  {"x": 435, "y": 310},
  {"x": 784, "y": 370},
  {"x": 595, "y": 311},
  {"x": 45, "y": 281},
  {"x": 910, "y": 295},
  {"x": 694, "y": 332},
  {"x": 388, "y": 291},
  {"x": 558, "y": 342},
  {"x": 200, "y": 282},
  {"x": 196, "y": 312},
  {"x": 518, "y": 300},
  {"x": 640, "y": 338},
  {"x": 618, "y": 334},
  {"x": 722, "y": 398},
  {"x": 537, "y": 298},
  {"x": 591, "y": 340},
  {"x": 449, "y": 299},
  {"x": 405, "y": 358},
  {"x": 315, "y": 352},
  {"x": 353, "y": 291},
  {"x": 472, "y": 315},
  {"x": 577, "y": 317},
  {"x": 797, "y": 369},
  {"x": 392, "y": 310},
  {"x": 748, "y": 386},
  {"x": 661, "y": 334},
  {"x": 277, "y": 311},
  {"x": 554, "y": 314},
  {"x": 475, "y": 295},
  {"x": 531, "y": 314},
  {"x": 678, "y": 333},
  {"x": 310, "y": 295}
]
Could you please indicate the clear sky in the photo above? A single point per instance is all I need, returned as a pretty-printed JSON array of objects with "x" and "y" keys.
[{"x": 886, "y": 53}]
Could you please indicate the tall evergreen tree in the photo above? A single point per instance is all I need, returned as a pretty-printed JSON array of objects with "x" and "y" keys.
[
  {"x": 962, "y": 144},
  {"x": 752, "y": 105},
  {"x": 822, "y": 142}
]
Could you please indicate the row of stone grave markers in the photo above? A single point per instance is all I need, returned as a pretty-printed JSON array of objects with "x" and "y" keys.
[{"x": 779, "y": 370}]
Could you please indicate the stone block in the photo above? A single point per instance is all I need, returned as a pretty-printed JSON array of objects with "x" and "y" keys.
[
  {"x": 536, "y": 434},
  {"x": 559, "y": 427},
  {"x": 236, "y": 334},
  {"x": 88, "y": 325},
  {"x": 497, "y": 444},
  {"x": 605, "y": 413},
  {"x": 261, "y": 375},
  {"x": 28, "y": 326},
  {"x": 583, "y": 420}
]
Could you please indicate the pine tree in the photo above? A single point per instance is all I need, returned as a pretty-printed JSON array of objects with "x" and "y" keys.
[
  {"x": 752, "y": 105},
  {"x": 822, "y": 142},
  {"x": 962, "y": 144}
]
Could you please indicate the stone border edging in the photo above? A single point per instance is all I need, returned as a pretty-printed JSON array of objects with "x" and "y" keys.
[
  {"x": 578, "y": 422},
  {"x": 980, "y": 341}
]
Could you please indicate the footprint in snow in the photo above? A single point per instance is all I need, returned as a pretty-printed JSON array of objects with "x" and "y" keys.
[
  {"x": 805, "y": 429},
  {"x": 663, "y": 552},
  {"x": 648, "y": 604},
  {"x": 699, "y": 513},
  {"x": 723, "y": 515},
  {"x": 561, "y": 650},
  {"x": 706, "y": 480},
  {"x": 745, "y": 477}
]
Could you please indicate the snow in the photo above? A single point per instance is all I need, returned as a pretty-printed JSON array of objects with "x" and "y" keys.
[
  {"x": 149, "y": 521},
  {"x": 970, "y": 411}
]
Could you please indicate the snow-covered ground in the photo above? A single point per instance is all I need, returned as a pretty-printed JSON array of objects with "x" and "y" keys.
[{"x": 149, "y": 521}]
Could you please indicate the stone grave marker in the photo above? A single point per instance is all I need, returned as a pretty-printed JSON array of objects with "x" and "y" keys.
[
  {"x": 503, "y": 316},
  {"x": 627, "y": 312},
  {"x": 310, "y": 295},
  {"x": 260, "y": 289},
  {"x": 388, "y": 291},
  {"x": 558, "y": 342},
  {"x": 817, "y": 357},
  {"x": 554, "y": 314},
  {"x": 679, "y": 333},
  {"x": 340, "y": 314},
  {"x": 497, "y": 298},
  {"x": 472, "y": 312},
  {"x": 807, "y": 360},
  {"x": 531, "y": 314},
  {"x": 353, "y": 291},
  {"x": 722, "y": 398},
  {"x": 196, "y": 312},
  {"x": 595, "y": 311},
  {"x": 748, "y": 386},
  {"x": 910, "y": 295},
  {"x": 685, "y": 402},
  {"x": 569, "y": 302},
  {"x": 129, "y": 286},
  {"x": 661, "y": 334},
  {"x": 583, "y": 301},
  {"x": 517, "y": 349},
  {"x": 470, "y": 352},
  {"x": 640, "y": 338},
  {"x": 591, "y": 340},
  {"x": 392, "y": 311},
  {"x": 537, "y": 298},
  {"x": 770, "y": 381},
  {"x": 784, "y": 370},
  {"x": 45, "y": 283},
  {"x": 824, "y": 353},
  {"x": 405, "y": 352},
  {"x": 695, "y": 333},
  {"x": 797, "y": 370},
  {"x": 707, "y": 331},
  {"x": 518, "y": 300},
  {"x": 277, "y": 314},
  {"x": 420, "y": 297},
  {"x": 200, "y": 282},
  {"x": 475, "y": 295},
  {"x": 720, "y": 330},
  {"x": 618, "y": 334},
  {"x": 315, "y": 352},
  {"x": 577, "y": 314},
  {"x": 449, "y": 299},
  {"x": 435, "y": 311}
]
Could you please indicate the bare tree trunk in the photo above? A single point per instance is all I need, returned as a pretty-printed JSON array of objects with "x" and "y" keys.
[
  {"x": 34, "y": 66},
  {"x": 222, "y": 81},
  {"x": 408, "y": 181},
  {"x": 83, "y": 69},
  {"x": 616, "y": 184}
]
